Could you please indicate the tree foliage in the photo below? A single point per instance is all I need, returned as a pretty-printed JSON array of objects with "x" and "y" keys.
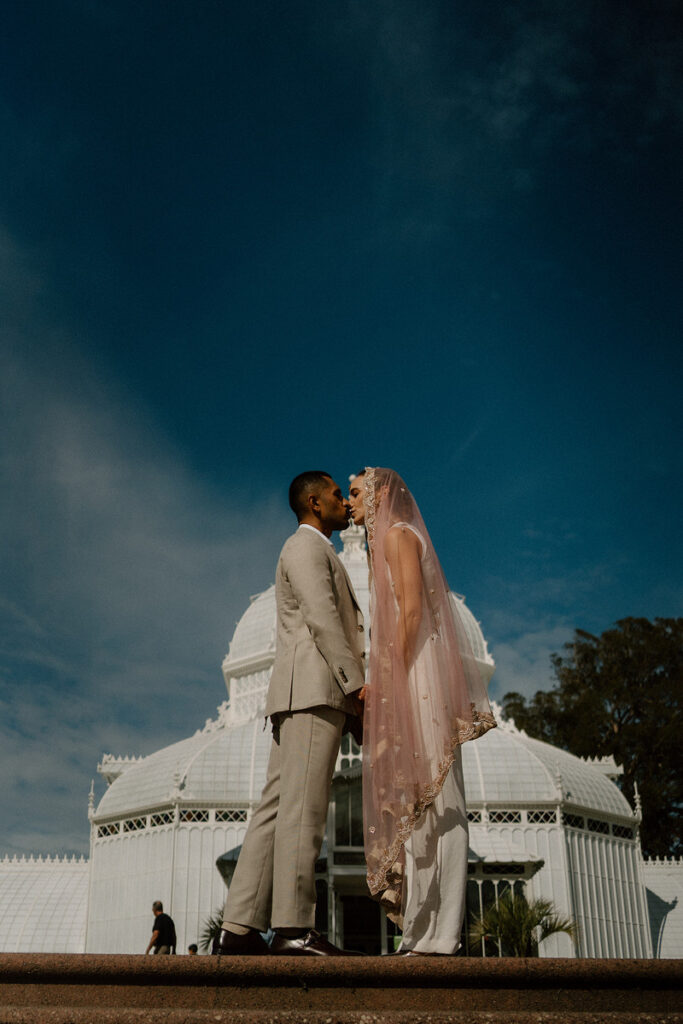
[
  {"x": 620, "y": 693},
  {"x": 518, "y": 926}
]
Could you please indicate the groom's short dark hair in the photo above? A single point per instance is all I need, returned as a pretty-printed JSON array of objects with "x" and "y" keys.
[{"x": 301, "y": 486}]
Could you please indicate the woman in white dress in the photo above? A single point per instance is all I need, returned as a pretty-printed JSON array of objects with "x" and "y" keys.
[{"x": 424, "y": 697}]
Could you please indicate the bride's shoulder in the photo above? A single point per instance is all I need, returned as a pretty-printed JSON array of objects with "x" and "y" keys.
[
  {"x": 406, "y": 529},
  {"x": 410, "y": 533}
]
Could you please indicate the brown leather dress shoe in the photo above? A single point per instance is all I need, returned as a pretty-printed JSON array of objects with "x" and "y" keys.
[
  {"x": 310, "y": 944},
  {"x": 230, "y": 944}
]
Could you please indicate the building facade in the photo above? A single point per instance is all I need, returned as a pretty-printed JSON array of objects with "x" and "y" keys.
[{"x": 541, "y": 821}]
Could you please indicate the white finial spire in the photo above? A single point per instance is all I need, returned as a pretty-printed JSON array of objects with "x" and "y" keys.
[
  {"x": 559, "y": 785},
  {"x": 353, "y": 539}
]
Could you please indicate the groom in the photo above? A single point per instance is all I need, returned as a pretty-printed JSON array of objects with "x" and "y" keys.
[{"x": 319, "y": 666}]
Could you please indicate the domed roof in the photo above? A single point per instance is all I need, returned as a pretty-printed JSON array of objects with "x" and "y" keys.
[
  {"x": 254, "y": 636},
  {"x": 223, "y": 765},
  {"x": 473, "y": 631},
  {"x": 255, "y": 631},
  {"x": 508, "y": 767}
]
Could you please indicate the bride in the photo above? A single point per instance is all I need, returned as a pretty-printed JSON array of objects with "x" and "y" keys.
[{"x": 424, "y": 698}]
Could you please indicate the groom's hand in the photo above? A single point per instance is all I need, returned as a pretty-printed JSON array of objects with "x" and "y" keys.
[{"x": 359, "y": 702}]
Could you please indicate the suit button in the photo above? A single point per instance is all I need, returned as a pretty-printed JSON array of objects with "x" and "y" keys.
[{"x": 361, "y": 629}]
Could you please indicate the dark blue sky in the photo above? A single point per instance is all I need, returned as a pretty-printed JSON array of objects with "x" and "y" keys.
[{"x": 237, "y": 241}]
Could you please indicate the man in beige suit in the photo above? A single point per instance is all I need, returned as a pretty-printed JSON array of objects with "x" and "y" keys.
[{"x": 319, "y": 667}]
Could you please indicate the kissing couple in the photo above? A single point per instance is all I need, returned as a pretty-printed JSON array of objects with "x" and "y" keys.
[{"x": 418, "y": 699}]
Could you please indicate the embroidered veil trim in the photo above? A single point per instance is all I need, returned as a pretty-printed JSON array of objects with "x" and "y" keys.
[
  {"x": 386, "y": 881},
  {"x": 370, "y": 505},
  {"x": 419, "y": 707}
]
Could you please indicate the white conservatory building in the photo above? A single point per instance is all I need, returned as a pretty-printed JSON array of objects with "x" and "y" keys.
[{"x": 540, "y": 818}]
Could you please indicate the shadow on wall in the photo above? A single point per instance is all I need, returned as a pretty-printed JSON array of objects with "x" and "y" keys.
[{"x": 658, "y": 910}]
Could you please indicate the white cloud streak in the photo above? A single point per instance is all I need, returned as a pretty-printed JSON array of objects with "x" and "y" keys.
[
  {"x": 122, "y": 578},
  {"x": 468, "y": 112},
  {"x": 523, "y": 662}
]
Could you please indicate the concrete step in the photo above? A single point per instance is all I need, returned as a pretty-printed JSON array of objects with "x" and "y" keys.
[{"x": 71, "y": 989}]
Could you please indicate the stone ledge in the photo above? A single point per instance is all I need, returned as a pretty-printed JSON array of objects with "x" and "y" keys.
[
  {"x": 126, "y": 1015},
  {"x": 73, "y": 989},
  {"x": 97, "y": 968}
]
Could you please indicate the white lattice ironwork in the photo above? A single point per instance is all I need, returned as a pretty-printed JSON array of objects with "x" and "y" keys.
[
  {"x": 161, "y": 818},
  {"x": 188, "y": 814},
  {"x": 112, "y": 828},
  {"x": 237, "y": 814},
  {"x": 248, "y": 695},
  {"x": 134, "y": 824},
  {"x": 541, "y": 817},
  {"x": 505, "y": 817}
]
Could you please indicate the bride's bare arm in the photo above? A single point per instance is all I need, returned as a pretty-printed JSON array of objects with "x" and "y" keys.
[{"x": 402, "y": 552}]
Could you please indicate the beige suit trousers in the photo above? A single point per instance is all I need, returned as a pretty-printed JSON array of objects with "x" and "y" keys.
[{"x": 274, "y": 881}]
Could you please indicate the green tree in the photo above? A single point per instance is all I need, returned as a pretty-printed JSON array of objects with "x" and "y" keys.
[
  {"x": 620, "y": 693},
  {"x": 518, "y": 926}
]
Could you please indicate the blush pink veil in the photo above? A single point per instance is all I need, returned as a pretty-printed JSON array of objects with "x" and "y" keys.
[{"x": 415, "y": 717}]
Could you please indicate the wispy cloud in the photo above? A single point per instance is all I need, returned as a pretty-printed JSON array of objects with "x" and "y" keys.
[
  {"x": 122, "y": 577},
  {"x": 531, "y": 616},
  {"x": 470, "y": 111},
  {"x": 523, "y": 662},
  {"x": 471, "y": 439}
]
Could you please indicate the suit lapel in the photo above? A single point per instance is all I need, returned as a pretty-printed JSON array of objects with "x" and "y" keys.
[
  {"x": 340, "y": 565},
  {"x": 349, "y": 584}
]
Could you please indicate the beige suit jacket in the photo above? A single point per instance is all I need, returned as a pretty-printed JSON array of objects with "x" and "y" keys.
[{"x": 320, "y": 647}]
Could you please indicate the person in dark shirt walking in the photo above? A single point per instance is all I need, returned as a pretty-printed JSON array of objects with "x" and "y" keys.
[{"x": 163, "y": 935}]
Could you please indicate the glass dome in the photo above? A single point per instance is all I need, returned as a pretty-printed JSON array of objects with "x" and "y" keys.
[
  {"x": 254, "y": 635},
  {"x": 217, "y": 767},
  {"x": 224, "y": 764},
  {"x": 508, "y": 767}
]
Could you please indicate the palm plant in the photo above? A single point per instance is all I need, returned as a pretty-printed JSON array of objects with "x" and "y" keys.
[
  {"x": 518, "y": 926},
  {"x": 211, "y": 930}
]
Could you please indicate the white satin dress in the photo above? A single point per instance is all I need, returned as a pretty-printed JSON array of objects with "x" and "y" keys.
[{"x": 436, "y": 853}]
